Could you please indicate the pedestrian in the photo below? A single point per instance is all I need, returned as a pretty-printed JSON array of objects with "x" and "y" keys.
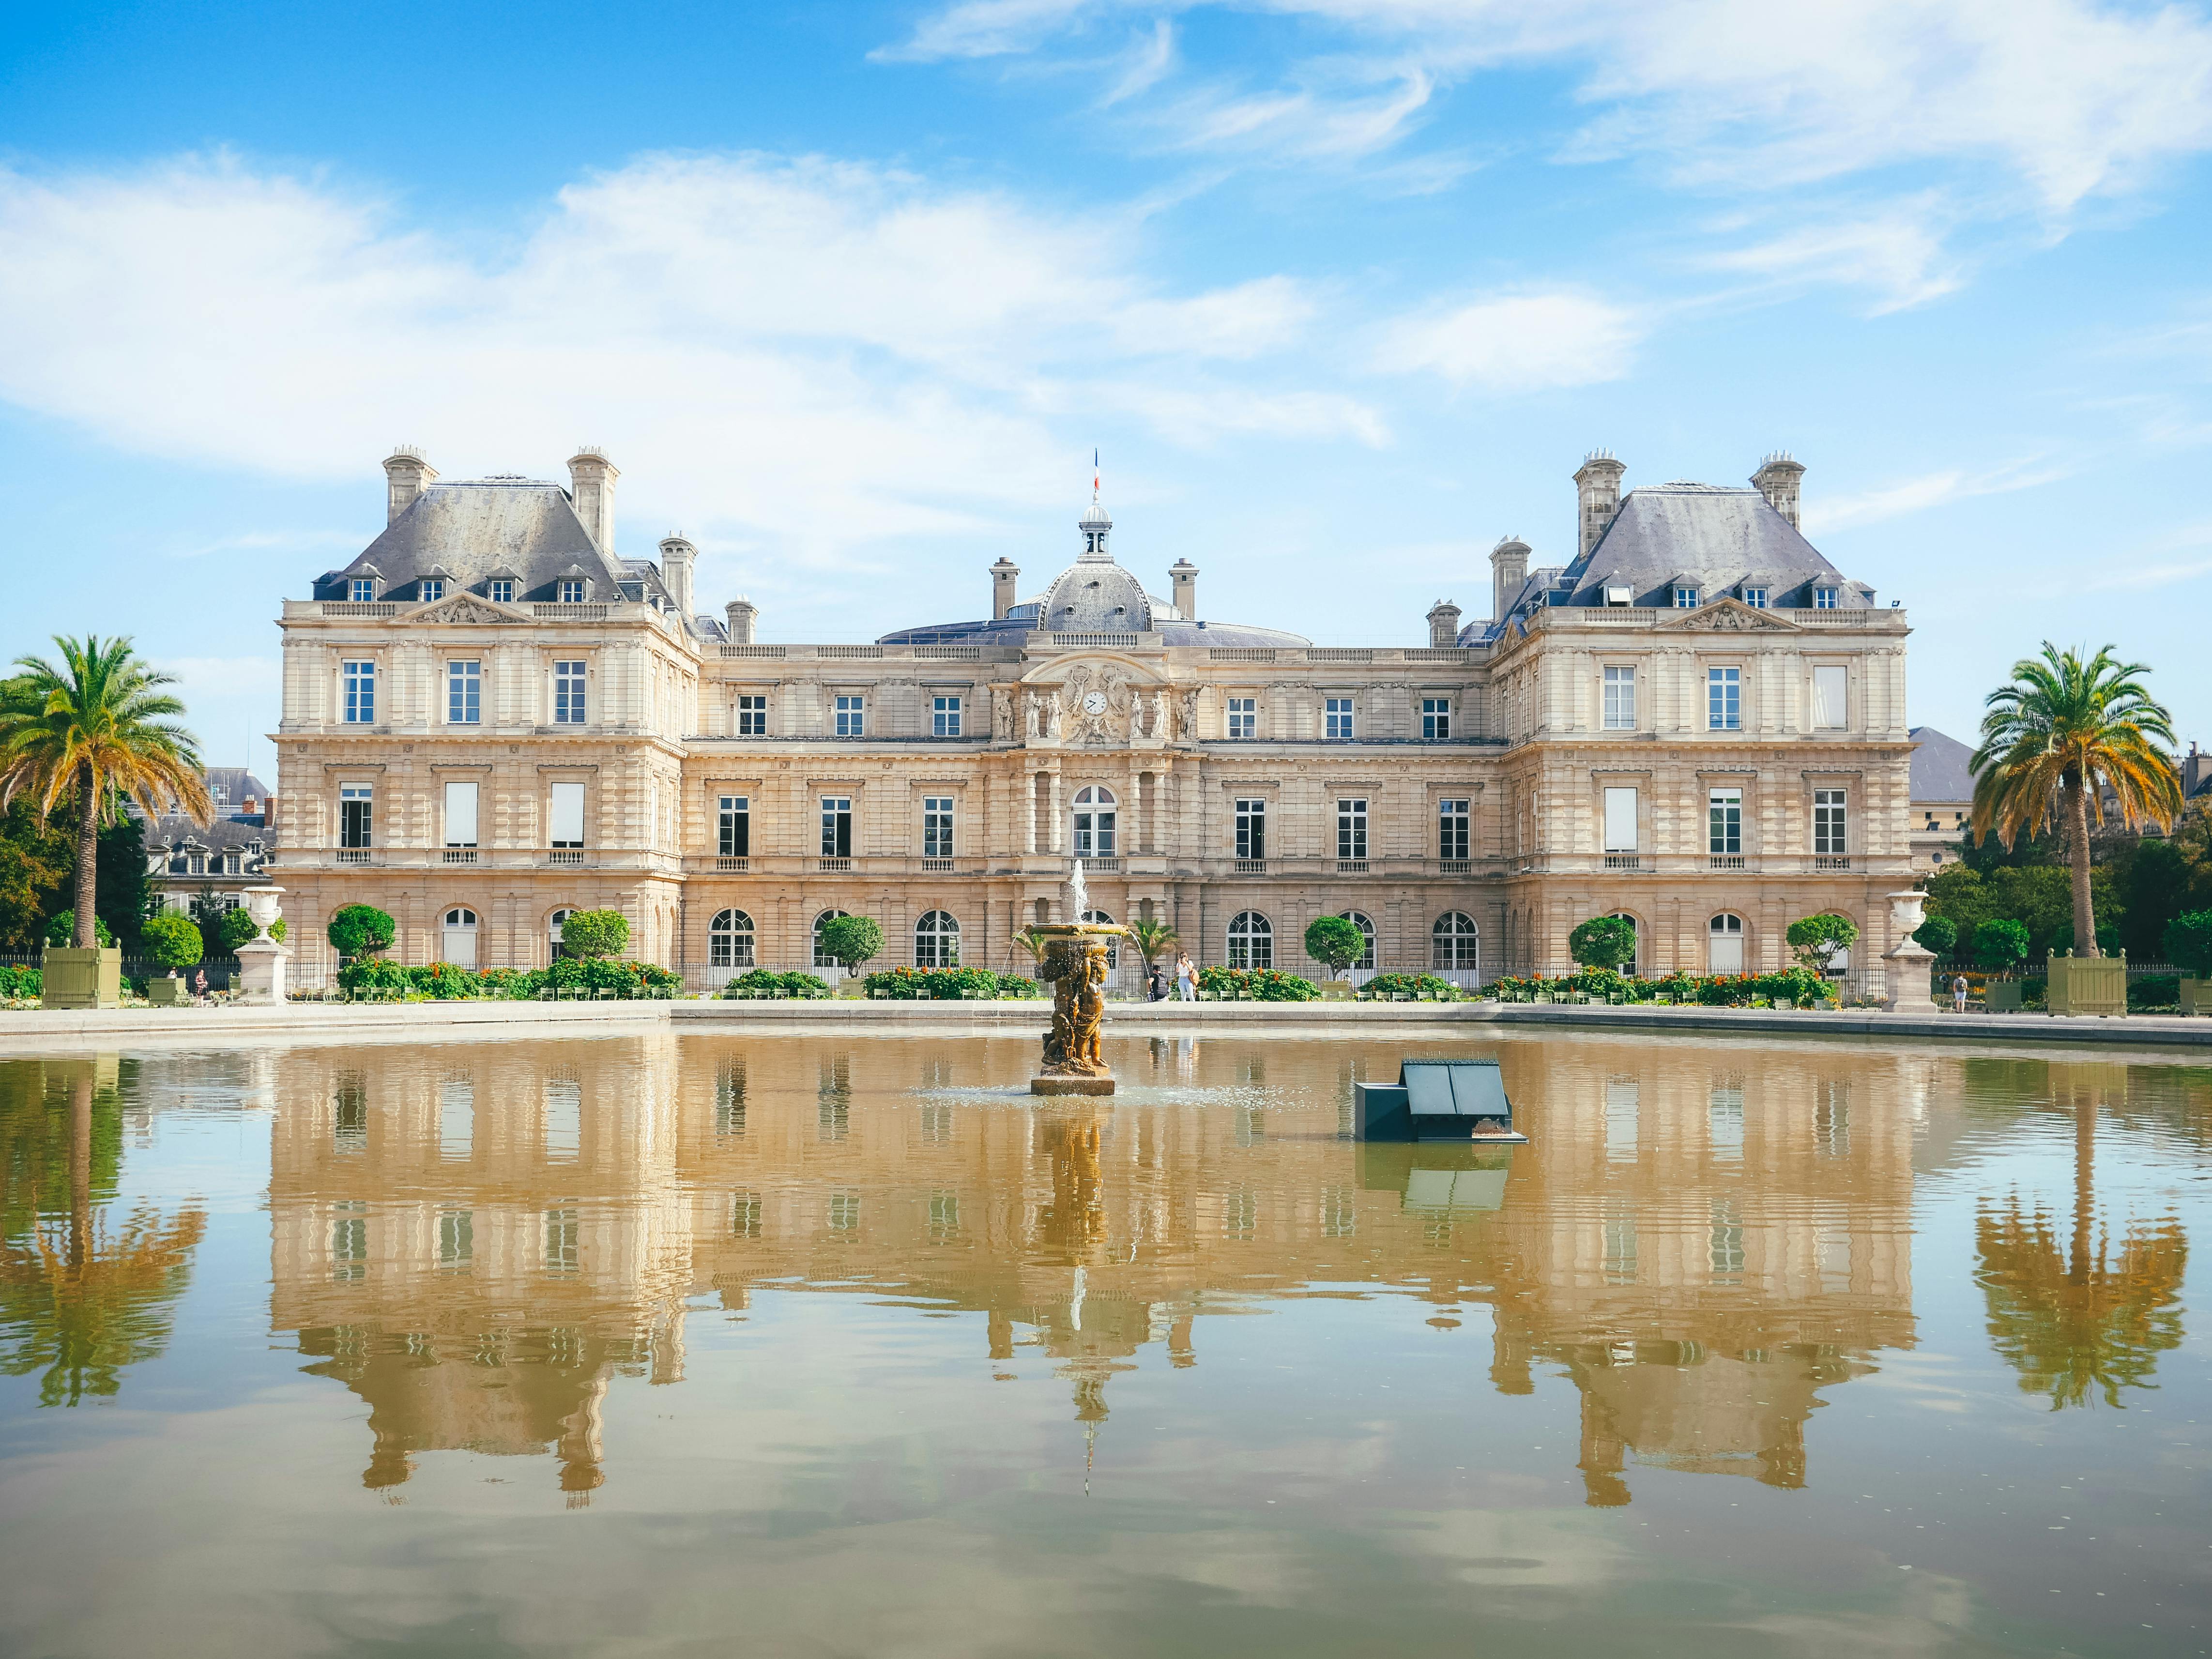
[
  {"x": 1959, "y": 994},
  {"x": 1186, "y": 978},
  {"x": 1156, "y": 977},
  {"x": 199, "y": 985}
]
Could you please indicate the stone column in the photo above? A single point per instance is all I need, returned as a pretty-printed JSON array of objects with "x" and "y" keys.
[{"x": 1056, "y": 833}]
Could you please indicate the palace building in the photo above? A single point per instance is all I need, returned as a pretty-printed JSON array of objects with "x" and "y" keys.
[{"x": 492, "y": 718}]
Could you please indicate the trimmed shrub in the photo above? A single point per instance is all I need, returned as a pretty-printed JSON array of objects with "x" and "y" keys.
[
  {"x": 852, "y": 940},
  {"x": 277, "y": 930},
  {"x": 1259, "y": 984},
  {"x": 1335, "y": 943},
  {"x": 2000, "y": 945},
  {"x": 1937, "y": 934},
  {"x": 766, "y": 981},
  {"x": 59, "y": 929},
  {"x": 230, "y": 930},
  {"x": 1603, "y": 942},
  {"x": 595, "y": 934},
  {"x": 16, "y": 982},
  {"x": 360, "y": 930},
  {"x": 170, "y": 939},
  {"x": 1814, "y": 941},
  {"x": 1384, "y": 985},
  {"x": 915, "y": 984}
]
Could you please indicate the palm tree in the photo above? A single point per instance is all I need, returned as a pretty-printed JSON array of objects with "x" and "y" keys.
[
  {"x": 98, "y": 726},
  {"x": 1152, "y": 938},
  {"x": 2058, "y": 736},
  {"x": 1033, "y": 942}
]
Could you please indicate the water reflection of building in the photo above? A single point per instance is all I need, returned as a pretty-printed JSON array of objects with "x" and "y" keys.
[{"x": 477, "y": 1239}]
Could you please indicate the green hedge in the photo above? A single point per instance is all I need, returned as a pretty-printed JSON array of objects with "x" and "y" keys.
[
  {"x": 1411, "y": 985},
  {"x": 761, "y": 982},
  {"x": 1257, "y": 984},
  {"x": 446, "y": 982},
  {"x": 1713, "y": 990},
  {"x": 21, "y": 982},
  {"x": 920, "y": 984}
]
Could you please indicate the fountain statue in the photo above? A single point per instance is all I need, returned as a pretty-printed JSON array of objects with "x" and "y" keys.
[{"x": 1074, "y": 965}]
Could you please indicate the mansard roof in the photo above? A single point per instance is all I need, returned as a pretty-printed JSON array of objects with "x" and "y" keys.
[
  {"x": 522, "y": 529},
  {"x": 1941, "y": 767}
]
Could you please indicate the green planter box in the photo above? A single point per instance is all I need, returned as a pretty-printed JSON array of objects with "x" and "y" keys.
[
  {"x": 81, "y": 979},
  {"x": 2003, "y": 996},
  {"x": 2196, "y": 996},
  {"x": 1336, "y": 990},
  {"x": 165, "y": 993},
  {"x": 2088, "y": 984}
]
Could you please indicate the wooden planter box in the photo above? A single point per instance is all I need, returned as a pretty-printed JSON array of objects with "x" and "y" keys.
[
  {"x": 166, "y": 993},
  {"x": 2003, "y": 996},
  {"x": 81, "y": 979},
  {"x": 2088, "y": 984},
  {"x": 2196, "y": 996}
]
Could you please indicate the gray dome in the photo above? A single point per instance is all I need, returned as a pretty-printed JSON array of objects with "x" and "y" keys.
[{"x": 1096, "y": 597}]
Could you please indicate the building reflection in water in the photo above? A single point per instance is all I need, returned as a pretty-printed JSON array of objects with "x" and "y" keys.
[
  {"x": 477, "y": 1239},
  {"x": 84, "y": 1294}
]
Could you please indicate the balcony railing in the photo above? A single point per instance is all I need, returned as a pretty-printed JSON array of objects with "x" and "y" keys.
[
  {"x": 1105, "y": 865},
  {"x": 1831, "y": 861},
  {"x": 1453, "y": 866},
  {"x": 737, "y": 865},
  {"x": 1251, "y": 867},
  {"x": 571, "y": 856},
  {"x": 458, "y": 855},
  {"x": 941, "y": 867},
  {"x": 357, "y": 855},
  {"x": 834, "y": 866},
  {"x": 1623, "y": 860},
  {"x": 1352, "y": 866},
  {"x": 1725, "y": 861}
]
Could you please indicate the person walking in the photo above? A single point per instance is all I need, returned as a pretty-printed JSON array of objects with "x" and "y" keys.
[
  {"x": 1959, "y": 994},
  {"x": 1186, "y": 978}
]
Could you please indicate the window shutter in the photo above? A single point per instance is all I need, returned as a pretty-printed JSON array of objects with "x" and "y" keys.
[
  {"x": 460, "y": 815},
  {"x": 1620, "y": 820},
  {"x": 568, "y": 818}
]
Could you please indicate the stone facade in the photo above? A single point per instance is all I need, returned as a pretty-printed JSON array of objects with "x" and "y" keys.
[{"x": 490, "y": 720}]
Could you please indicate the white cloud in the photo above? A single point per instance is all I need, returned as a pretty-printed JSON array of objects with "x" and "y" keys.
[
  {"x": 1931, "y": 489},
  {"x": 1516, "y": 342},
  {"x": 813, "y": 352},
  {"x": 1898, "y": 254}
]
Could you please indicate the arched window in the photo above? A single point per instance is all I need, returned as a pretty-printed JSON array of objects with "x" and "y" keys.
[
  {"x": 1724, "y": 944},
  {"x": 1094, "y": 822},
  {"x": 1367, "y": 933},
  {"x": 730, "y": 940},
  {"x": 1100, "y": 919},
  {"x": 1629, "y": 967},
  {"x": 554, "y": 924},
  {"x": 1456, "y": 942},
  {"x": 820, "y": 922},
  {"x": 937, "y": 941},
  {"x": 1251, "y": 940},
  {"x": 460, "y": 937}
]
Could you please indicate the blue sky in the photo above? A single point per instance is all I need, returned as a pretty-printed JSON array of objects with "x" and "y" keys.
[{"x": 1343, "y": 290}]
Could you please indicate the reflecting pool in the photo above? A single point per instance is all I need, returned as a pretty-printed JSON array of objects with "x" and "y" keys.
[{"x": 829, "y": 1345}]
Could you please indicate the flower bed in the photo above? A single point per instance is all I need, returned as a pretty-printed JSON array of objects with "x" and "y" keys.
[
  {"x": 1411, "y": 985},
  {"x": 1795, "y": 985},
  {"x": 374, "y": 977},
  {"x": 766, "y": 983},
  {"x": 1256, "y": 985},
  {"x": 922, "y": 984}
]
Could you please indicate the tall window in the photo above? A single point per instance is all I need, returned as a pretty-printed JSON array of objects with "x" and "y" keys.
[
  {"x": 363, "y": 588},
  {"x": 1336, "y": 716},
  {"x": 1824, "y": 598},
  {"x": 1435, "y": 717},
  {"x": 822, "y": 958},
  {"x": 554, "y": 924},
  {"x": 360, "y": 693},
  {"x": 837, "y": 826},
  {"x": 752, "y": 717},
  {"x": 1828, "y": 823},
  {"x": 461, "y": 814},
  {"x": 937, "y": 941},
  {"x": 1755, "y": 598},
  {"x": 735, "y": 826},
  {"x": 730, "y": 940},
  {"x": 501, "y": 591},
  {"x": 1251, "y": 940},
  {"x": 564, "y": 815},
  {"x": 851, "y": 716},
  {"x": 1244, "y": 717},
  {"x": 1620, "y": 820},
  {"x": 944, "y": 717},
  {"x": 1724, "y": 821},
  {"x": 567, "y": 694},
  {"x": 569, "y": 593},
  {"x": 463, "y": 693},
  {"x": 1352, "y": 828},
  {"x": 432, "y": 589},
  {"x": 1366, "y": 927},
  {"x": 1095, "y": 814},
  {"x": 1830, "y": 690},
  {"x": 1620, "y": 698},
  {"x": 937, "y": 826},
  {"x": 1452, "y": 820},
  {"x": 1724, "y": 699},
  {"x": 1686, "y": 598},
  {"x": 1251, "y": 829},
  {"x": 356, "y": 815},
  {"x": 1456, "y": 942}
]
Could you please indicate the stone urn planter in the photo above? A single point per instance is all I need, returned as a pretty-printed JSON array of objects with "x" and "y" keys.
[
  {"x": 81, "y": 979},
  {"x": 263, "y": 964}
]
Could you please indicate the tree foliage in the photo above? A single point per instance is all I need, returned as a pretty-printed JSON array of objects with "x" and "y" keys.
[
  {"x": 1938, "y": 935},
  {"x": 1815, "y": 940},
  {"x": 61, "y": 928},
  {"x": 591, "y": 934},
  {"x": 227, "y": 930},
  {"x": 172, "y": 940},
  {"x": 1334, "y": 942},
  {"x": 360, "y": 930},
  {"x": 1152, "y": 938},
  {"x": 852, "y": 940},
  {"x": 1603, "y": 942},
  {"x": 2188, "y": 942},
  {"x": 2000, "y": 945}
]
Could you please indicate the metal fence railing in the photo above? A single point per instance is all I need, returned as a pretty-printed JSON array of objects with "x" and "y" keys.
[{"x": 221, "y": 971}]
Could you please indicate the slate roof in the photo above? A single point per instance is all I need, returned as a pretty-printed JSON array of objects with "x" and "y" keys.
[
  {"x": 1940, "y": 768},
  {"x": 469, "y": 531},
  {"x": 231, "y": 786},
  {"x": 1711, "y": 537}
]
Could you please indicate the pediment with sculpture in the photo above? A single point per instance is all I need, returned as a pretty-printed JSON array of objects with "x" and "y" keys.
[
  {"x": 463, "y": 608},
  {"x": 1092, "y": 703},
  {"x": 1731, "y": 616}
]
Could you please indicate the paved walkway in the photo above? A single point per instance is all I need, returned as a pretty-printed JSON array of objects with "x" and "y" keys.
[{"x": 36, "y": 1031}]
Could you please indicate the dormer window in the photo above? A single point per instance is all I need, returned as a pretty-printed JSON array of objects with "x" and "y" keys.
[
  {"x": 1686, "y": 598},
  {"x": 1824, "y": 598},
  {"x": 570, "y": 592},
  {"x": 1755, "y": 598},
  {"x": 499, "y": 593},
  {"x": 363, "y": 588},
  {"x": 432, "y": 589},
  {"x": 1620, "y": 595}
]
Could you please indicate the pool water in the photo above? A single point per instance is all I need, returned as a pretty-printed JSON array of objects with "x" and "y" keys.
[{"x": 828, "y": 1345}]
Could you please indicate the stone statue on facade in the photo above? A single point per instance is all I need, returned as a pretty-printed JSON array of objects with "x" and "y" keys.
[
  {"x": 1002, "y": 714},
  {"x": 1190, "y": 714}
]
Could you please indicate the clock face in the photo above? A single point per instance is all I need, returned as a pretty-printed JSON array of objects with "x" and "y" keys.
[{"x": 1094, "y": 702}]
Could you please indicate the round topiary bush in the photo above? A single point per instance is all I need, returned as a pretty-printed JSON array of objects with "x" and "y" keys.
[
  {"x": 170, "y": 939},
  {"x": 361, "y": 930},
  {"x": 232, "y": 928},
  {"x": 1603, "y": 942},
  {"x": 595, "y": 934},
  {"x": 63, "y": 927},
  {"x": 851, "y": 940},
  {"x": 1334, "y": 942}
]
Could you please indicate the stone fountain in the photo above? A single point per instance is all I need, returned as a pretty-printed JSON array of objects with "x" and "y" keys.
[{"x": 1074, "y": 965}]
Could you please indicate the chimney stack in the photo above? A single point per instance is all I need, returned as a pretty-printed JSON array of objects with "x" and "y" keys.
[
  {"x": 1443, "y": 624},
  {"x": 406, "y": 475},
  {"x": 1003, "y": 575},
  {"x": 743, "y": 615},
  {"x": 1597, "y": 493},
  {"x": 676, "y": 560},
  {"x": 591, "y": 487},
  {"x": 1776, "y": 479},
  {"x": 1508, "y": 570},
  {"x": 1184, "y": 574}
]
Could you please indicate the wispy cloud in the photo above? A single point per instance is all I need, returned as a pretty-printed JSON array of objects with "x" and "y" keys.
[
  {"x": 1898, "y": 254},
  {"x": 1930, "y": 491},
  {"x": 1516, "y": 342}
]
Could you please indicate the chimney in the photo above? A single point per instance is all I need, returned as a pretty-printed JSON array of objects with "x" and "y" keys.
[
  {"x": 1508, "y": 568},
  {"x": 743, "y": 615},
  {"x": 677, "y": 558},
  {"x": 1597, "y": 493},
  {"x": 406, "y": 475},
  {"x": 1184, "y": 576},
  {"x": 591, "y": 487},
  {"x": 1443, "y": 624},
  {"x": 1776, "y": 479},
  {"x": 1003, "y": 575}
]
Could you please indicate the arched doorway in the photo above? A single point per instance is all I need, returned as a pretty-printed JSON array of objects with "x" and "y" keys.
[
  {"x": 730, "y": 940},
  {"x": 458, "y": 942},
  {"x": 1635, "y": 956},
  {"x": 1251, "y": 940},
  {"x": 820, "y": 922},
  {"x": 937, "y": 940},
  {"x": 1724, "y": 944},
  {"x": 1456, "y": 946}
]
